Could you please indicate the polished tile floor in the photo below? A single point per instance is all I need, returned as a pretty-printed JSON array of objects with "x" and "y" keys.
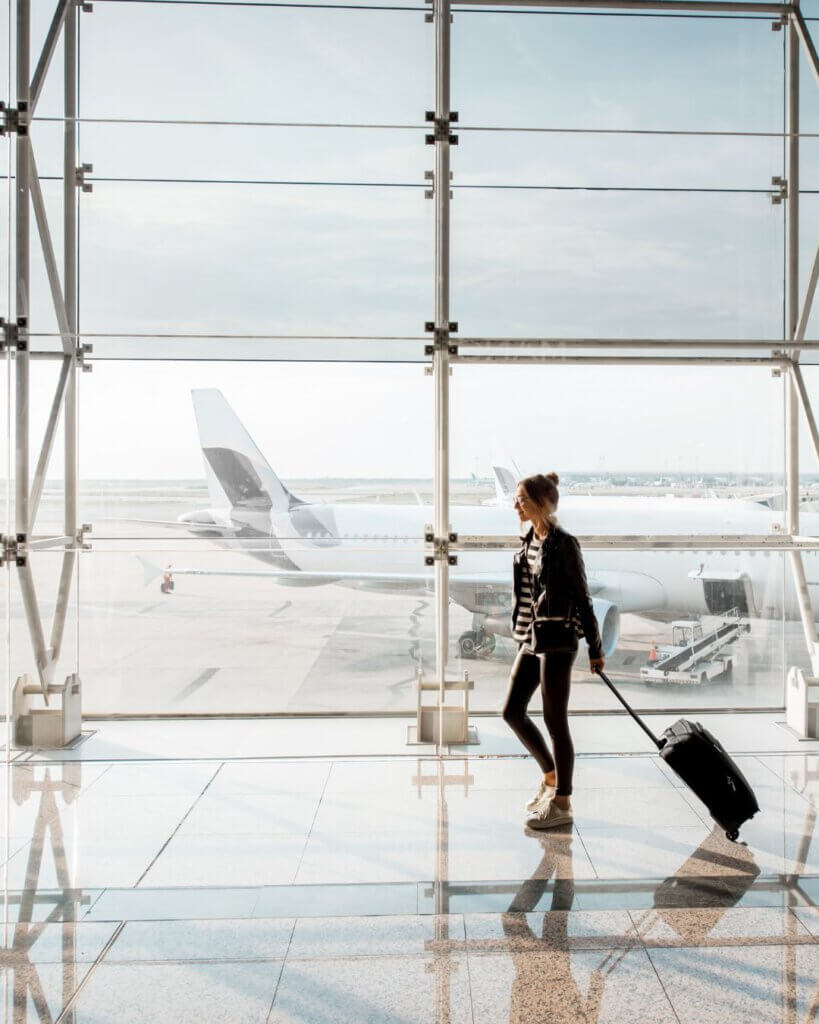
[{"x": 404, "y": 889}]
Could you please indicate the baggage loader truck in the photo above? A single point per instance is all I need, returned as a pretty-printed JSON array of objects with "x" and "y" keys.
[{"x": 694, "y": 656}]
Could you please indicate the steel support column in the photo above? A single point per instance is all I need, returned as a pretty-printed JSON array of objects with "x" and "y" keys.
[
  {"x": 443, "y": 19},
  {"x": 27, "y": 495},
  {"x": 70, "y": 297},
  {"x": 22, "y": 360},
  {"x": 792, "y": 278},
  {"x": 794, "y": 329},
  {"x": 22, "y": 267}
]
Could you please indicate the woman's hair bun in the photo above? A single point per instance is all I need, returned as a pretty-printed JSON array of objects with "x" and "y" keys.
[{"x": 554, "y": 478}]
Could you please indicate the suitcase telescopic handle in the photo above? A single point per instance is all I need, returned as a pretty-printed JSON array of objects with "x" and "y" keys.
[{"x": 659, "y": 744}]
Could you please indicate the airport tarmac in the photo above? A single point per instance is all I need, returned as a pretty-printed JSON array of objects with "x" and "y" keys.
[{"x": 227, "y": 645}]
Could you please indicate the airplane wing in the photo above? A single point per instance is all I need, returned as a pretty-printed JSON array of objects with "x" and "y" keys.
[
  {"x": 386, "y": 579},
  {"x": 208, "y": 529},
  {"x": 314, "y": 578}
]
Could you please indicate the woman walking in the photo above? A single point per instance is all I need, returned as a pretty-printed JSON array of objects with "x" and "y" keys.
[{"x": 552, "y": 605}]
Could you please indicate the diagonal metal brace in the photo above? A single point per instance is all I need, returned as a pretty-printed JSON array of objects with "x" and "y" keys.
[
  {"x": 50, "y": 258},
  {"x": 48, "y": 51},
  {"x": 803, "y": 32}
]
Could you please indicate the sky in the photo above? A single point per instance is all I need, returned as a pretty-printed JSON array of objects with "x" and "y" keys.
[{"x": 298, "y": 259}]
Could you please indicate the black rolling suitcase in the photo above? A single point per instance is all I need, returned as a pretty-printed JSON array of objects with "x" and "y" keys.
[{"x": 704, "y": 766}]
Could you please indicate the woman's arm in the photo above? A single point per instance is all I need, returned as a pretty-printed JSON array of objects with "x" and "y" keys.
[{"x": 576, "y": 575}]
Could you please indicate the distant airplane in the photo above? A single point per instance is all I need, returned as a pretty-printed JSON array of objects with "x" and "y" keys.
[
  {"x": 380, "y": 547},
  {"x": 505, "y": 486}
]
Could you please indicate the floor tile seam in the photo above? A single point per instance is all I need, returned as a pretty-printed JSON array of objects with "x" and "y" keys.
[
  {"x": 94, "y": 782},
  {"x": 779, "y": 778},
  {"x": 14, "y": 850},
  {"x": 310, "y": 829},
  {"x": 751, "y": 942},
  {"x": 275, "y": 992},
  {"x": 381, "y": 758},
  {"x": 586, "y": 851},
  {"x": 802, "y": 938},
  {"x": 72, "y": 999},
  {"x": 661, "y": 983},
  {"x": 578, "y": 945},
  {"x": 286, "y": 955},
  {"x": 595, "y": 825},
  {"x": 381, "y": 957},
  {"x": 633, "y": 886},
  {"x": 179, "y": 824},
  {"x": 804, "y": 924},
  {"x": 783, "y": 786},
  {"x": 728, "y": 946},
  {"x": 90, "y": 907},
  {"x": 466, "y": 957},
  {"x": 182, "y": 961},
  {"x": 397, "y": 758},
  {"x": 696, "y": 806},
  {"x": 463, "y": 950}
]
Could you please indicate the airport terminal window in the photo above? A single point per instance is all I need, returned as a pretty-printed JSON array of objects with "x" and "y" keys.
[{"x": 257, "y": 276}]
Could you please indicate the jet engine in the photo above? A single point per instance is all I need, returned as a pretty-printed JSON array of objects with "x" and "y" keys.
[{"x": 608, "y": 620}]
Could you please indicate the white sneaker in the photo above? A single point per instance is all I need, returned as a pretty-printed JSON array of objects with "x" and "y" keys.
[
  {"x": 545, "y": 792},
  {"x": 550, "y": 816}
]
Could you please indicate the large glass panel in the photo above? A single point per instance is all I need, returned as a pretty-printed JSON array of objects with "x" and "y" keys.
[
  {"x": 249, "y": 153},
  {"x": 167, "y": 629},
  {"x": 648, "y": 430},
  {"x": 681, "y": 629},
  {"x": 296, "y": 558},
  {"x": 569, "y": 69},
  {"x": 645, "y": 265},
  {"x": 220, "y": 231},
  {"x": 232, "y": 260},
  {"x": 640, "y": 451},
  {"x": 581, "y": 160},
  {"x": 256, "y": 64}
]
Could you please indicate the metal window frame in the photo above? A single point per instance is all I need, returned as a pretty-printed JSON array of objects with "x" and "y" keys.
[
  {"x": 444, "y": 351},
  {"x": 783, "y": 356},
  {"x": 28, "y": 194}
]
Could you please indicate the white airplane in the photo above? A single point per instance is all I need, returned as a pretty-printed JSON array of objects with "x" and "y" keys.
[
  {"x": 380, "y": 547},
  {"x": 505, "y": 486}
]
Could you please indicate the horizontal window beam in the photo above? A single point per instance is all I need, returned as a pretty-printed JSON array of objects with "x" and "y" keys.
[{"x": 643, "y": 542}]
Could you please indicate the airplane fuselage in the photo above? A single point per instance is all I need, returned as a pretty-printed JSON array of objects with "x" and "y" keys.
[{"x": 388, "y": 539}]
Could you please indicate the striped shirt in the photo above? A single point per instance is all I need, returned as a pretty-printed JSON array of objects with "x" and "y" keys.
[{"x": 523, "y": 624}]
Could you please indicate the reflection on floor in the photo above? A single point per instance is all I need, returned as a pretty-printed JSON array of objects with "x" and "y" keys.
[{"x": 403, "y": 890}]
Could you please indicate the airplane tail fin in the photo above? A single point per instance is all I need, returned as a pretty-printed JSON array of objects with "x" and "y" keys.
[
  {"x": 504, "y": 484},
  {"x": 234, "y": 466}
]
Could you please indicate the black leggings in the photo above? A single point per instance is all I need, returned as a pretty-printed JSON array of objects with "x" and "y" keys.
[{"x": 553, "y": 672}]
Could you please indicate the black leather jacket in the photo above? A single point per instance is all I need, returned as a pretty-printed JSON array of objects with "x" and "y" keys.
[{"x": 559, "y": 585}]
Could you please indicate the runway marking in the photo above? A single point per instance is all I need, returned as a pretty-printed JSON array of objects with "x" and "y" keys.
[{"x": 200, "y": 680}]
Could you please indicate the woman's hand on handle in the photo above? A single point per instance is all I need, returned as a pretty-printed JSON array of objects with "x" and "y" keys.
[{"x": 597, "y": 664}]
